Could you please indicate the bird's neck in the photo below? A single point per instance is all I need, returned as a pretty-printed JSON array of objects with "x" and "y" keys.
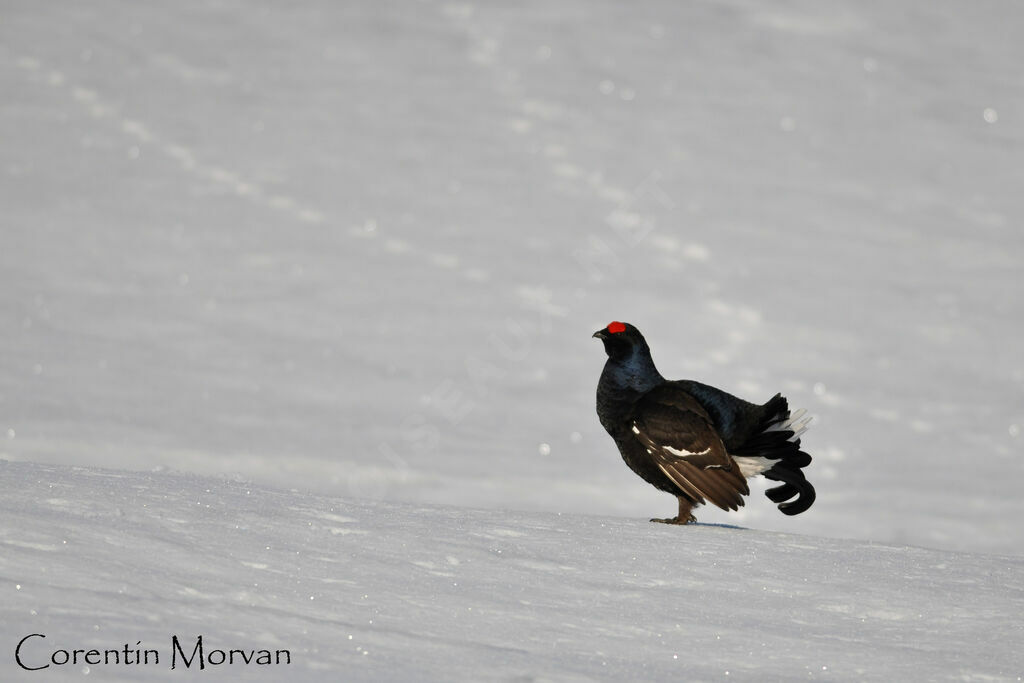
[{"x": 623, "y": 382}]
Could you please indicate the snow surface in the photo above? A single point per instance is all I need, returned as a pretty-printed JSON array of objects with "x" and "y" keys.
[
  {"x": 358, "y": 250},
  {"x": 367, "y": 591}
]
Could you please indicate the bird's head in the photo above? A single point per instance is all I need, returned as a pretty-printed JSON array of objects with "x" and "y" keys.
[{"x": 622, "y": 341}]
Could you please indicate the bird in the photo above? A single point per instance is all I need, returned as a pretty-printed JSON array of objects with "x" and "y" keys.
[{"x": 695, "y": 441}]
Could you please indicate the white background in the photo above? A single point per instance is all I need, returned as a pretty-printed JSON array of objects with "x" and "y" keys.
[{"x": 358, "y": 249}]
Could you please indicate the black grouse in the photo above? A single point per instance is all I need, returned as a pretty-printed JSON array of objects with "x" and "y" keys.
[{"x": 694, "y": 441}]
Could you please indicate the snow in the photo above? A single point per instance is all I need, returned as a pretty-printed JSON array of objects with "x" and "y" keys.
[
  {"x": 357, "y": 250},
  {"x": 396, "y": 592}
]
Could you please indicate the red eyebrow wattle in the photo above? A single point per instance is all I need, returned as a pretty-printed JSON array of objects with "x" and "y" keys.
[{"x": 616, "y": 327}]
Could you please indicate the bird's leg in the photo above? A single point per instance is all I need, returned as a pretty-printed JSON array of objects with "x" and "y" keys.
[
  {"x": 685, "y": 517},
  {"x": 685, "y": 514}
]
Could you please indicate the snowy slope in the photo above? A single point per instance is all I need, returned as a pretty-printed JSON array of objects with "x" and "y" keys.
[
  {"x": 359, "y": 248},
  {"x": 367, "y": 591}
]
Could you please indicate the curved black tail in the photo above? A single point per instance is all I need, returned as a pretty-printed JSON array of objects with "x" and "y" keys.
[{"x": 777, "y": 437}]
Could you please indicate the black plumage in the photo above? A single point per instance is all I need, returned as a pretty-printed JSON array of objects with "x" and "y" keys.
[{"x": 694, "y": 441}]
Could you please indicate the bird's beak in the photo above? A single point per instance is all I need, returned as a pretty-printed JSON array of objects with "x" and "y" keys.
[{"x": 600, "y": 334}]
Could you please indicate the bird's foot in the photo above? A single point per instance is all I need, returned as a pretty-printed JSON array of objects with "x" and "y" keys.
[
  {"x": 684, "y": 516},
  {"x": 676, "y": 520}
]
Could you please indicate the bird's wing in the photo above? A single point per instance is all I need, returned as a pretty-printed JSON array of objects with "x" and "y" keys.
[{"x": 681, "y": 439}]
